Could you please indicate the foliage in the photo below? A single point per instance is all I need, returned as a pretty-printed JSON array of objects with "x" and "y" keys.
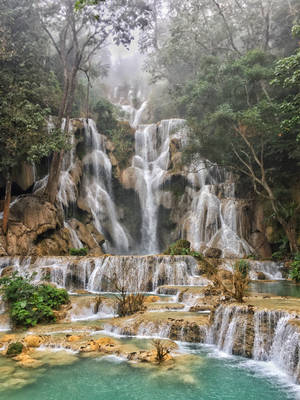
[
  {"x": 14, "y": 349},
  {"x": 123, "y": 139},
  {"x": 295, "y": 268},
  {"x": 106, "y": 119},
  {"x": 182, "y": 248},
  {"x": 119, "y": 132},
  {"x": 79, "y": 252},
  {"x": 126, "y": 303},
  {"x": 31, "y": 304},
  {"x": 239, "y": 282},
  {"x": 129, "y": 304},
  {"x": 28, "y": 89},
  {"x": 282, "y": 249},
  {"x": 287, "y": 76}
]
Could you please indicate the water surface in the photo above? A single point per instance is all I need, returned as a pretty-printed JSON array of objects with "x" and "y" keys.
[{"x": 202, "y": 376}]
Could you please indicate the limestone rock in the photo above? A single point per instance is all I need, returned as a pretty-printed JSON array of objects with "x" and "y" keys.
[
  {"x": 151, "y": 299},
  {"x": 33, "y": 341}
]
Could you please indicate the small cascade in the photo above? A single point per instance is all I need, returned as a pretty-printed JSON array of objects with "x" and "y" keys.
[
  {"x": 277, "y": 339},
  {"x": 4, "y": 317},
  {"x": 67, "y": 193},
  {"x": 266, "y": 335},
  {"x": 150, "y": 167},
  {"x": 228, "y": 331},
  {"x": 76, "y": 242},
  {"x": 272, "y": 270},
  {"x": 213, "y": 219},
  {"x": 97, "y": 190},
  {"x": 87, "y": 309},
  {"x": 97, "y": 274}
]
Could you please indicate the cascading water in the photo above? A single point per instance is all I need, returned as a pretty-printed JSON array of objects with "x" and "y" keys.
[
  {"x": 150, "y": 167},
  {"x": 213, "y": 221},
  {"x": 276, "y": 336},
  {"x": 97, "y": 190},
  {"x": 96, "y": 274}
]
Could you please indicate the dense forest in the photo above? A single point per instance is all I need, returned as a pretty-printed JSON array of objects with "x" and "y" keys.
[{"x": 230, "y": 68}]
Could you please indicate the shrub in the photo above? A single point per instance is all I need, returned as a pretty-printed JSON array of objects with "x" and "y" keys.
[
  {"x": 14, "y": 349},
  {"x": 240, "y": 281},
  {"x": 295, "y": 268},
  {"x": 182, "y": 248},
  {"x": 162, "y": 350},
  {"x": 30, "y": 304},
  {"x": 129, "y": 304},
  {"x": 79, "y": 252},
  {"x": 126, "y": 303}
]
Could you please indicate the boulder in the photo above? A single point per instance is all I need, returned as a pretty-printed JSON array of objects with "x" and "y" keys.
[
  {"x": 73, "y": 338},
  {"x": 151, "y": 299},
  {"x": 261, "y": 276},
  {"x": 33, "y": 341},
  {"x": 213, "y": 252}
]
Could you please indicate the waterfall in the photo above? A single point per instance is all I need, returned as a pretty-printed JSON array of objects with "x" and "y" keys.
[
  {"x": 96, "y": 274},
  {"x": 228, "y": 330},
  {"x": 271, "y": 269},
  {"x": 213, "y": 220},
  {"x": 150, "y": 167},
  {"x": 274, "y": 336},
  {"x": 97, "y": 188}
]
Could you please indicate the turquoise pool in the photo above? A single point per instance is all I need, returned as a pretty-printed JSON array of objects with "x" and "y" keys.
[{"x": 202, "y": 376}]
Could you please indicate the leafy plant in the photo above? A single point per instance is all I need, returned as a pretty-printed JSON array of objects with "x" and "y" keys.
[
  {"x": 182, "y": 248},
  {"x": 79, "y": 252},
  {"x": 295, "y": 268},
  {"x": 14, "y": 349},
  {"x": 30, "y": 304}
]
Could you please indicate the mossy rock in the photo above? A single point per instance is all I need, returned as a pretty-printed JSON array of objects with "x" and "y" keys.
[{"x": 14, "y": 349}]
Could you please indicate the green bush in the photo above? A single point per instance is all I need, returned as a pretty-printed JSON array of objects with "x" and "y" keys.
[
  {"x": 295, "y": 268},
  {"x": 182, "y": 248},
  {"x": 30, "y": 304},
  {"x": 79, "y": 252},
  {"x": 119, "y": 132},
  {"x": 243, "y": 267},
  {"x": 14, "y": 349}
]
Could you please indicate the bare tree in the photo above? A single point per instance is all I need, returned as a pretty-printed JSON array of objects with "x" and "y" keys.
[{"x": 252, "y": 165}]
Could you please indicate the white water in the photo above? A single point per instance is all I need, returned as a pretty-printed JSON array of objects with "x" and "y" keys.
[
  {"x": 96, "y": 274},
  {"x": 97, "y": 190},
  {"x": 213, "y": 219},
  {"x": 276, "y": 339},
  {"x": 150, "y": 168}
]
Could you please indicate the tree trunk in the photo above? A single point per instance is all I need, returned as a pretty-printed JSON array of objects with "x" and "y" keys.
[
  {"x": 6, "y": 204},
  {"x": 54, "y": 174}
]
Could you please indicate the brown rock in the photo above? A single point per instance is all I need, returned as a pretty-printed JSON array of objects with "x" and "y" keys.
[
  {"x": 73, "y": 338},
  {"x": 151, "y": 299},
  {"x": 33, "y": 341},
  {"x": 8, "y": 338},
  {"x": 213, "y": 252}
]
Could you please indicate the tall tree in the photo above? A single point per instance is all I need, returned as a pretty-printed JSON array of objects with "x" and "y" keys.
[
  {"x": 27, "y": 91},
  {"x": 77, "y": 36}
]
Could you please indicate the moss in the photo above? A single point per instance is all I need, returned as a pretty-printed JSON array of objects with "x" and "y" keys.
[{"x": 14, "y": 349}]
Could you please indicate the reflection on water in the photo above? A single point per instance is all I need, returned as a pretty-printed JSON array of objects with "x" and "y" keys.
[{"x": 277, "y": 288}]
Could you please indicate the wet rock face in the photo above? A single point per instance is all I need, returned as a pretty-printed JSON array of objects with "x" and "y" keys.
[
  {"x": 36, "y": 227},
  {"x": 31, "y": 217}
]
